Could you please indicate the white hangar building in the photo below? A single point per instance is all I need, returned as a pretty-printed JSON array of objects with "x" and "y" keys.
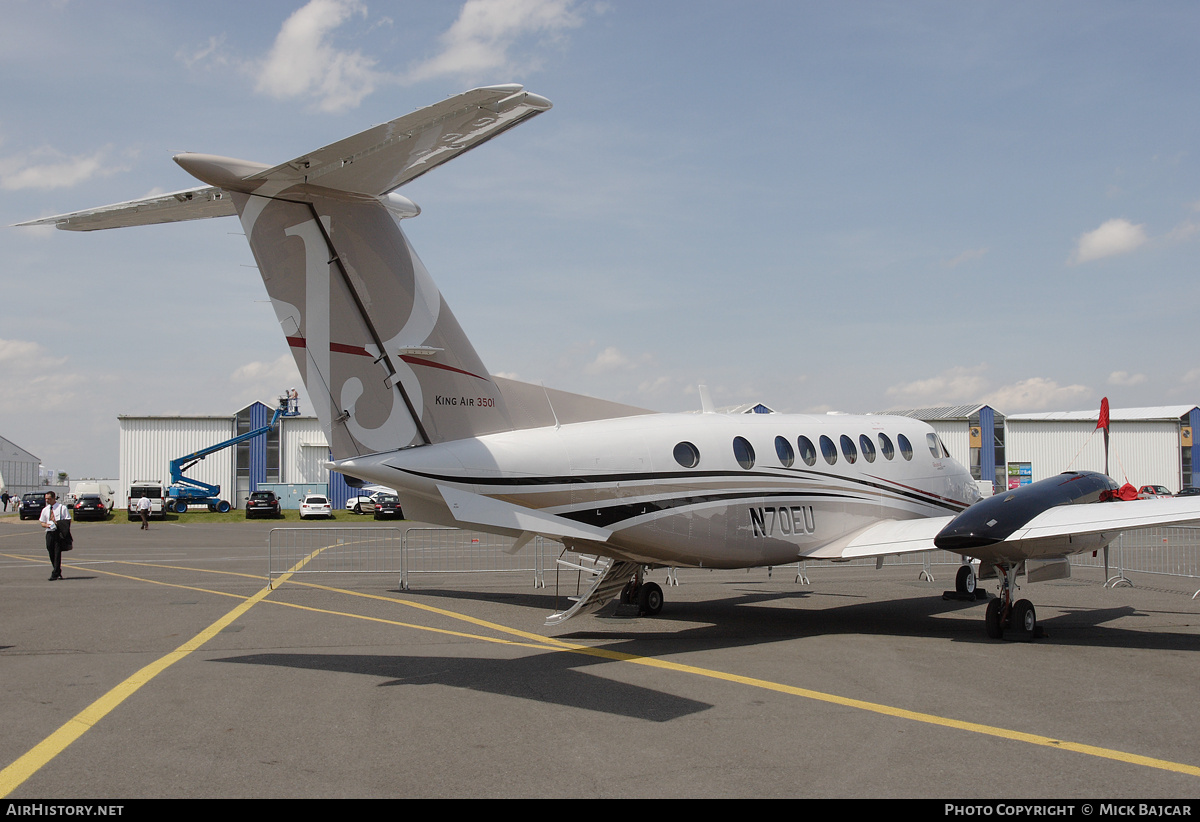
[
  {"x": 292, "y": 453},
  {"x": 1147, "y": 446},
  {"x": 19, "y": 469}
]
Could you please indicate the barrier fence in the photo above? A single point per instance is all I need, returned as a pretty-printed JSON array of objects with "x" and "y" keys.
[{"x": 1171, "y": 552}]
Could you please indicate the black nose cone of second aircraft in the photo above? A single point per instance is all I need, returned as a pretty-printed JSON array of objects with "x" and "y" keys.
[{"x": 994, "y": 519}]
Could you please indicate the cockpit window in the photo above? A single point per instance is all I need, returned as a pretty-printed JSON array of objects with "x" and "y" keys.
[
  {"x": 783, "y": 449},
  {"x": 807, "y": 452},
  {"x": 687, "y": 455},
  {"x": 905, "y": 446},
  {"x": 743, "y": 452},
  {"x": 848, "y": 449},
  {"x": 828, "y": 450},
  {"x": 867, "y": 447}
]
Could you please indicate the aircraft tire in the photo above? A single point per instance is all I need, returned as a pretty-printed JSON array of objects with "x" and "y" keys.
[
  {"x": 650, "y": 599},
  {"x": 964, "y": 583},
  {"x": 1025, "y": 618},
  {"x": 992, "y": 621},
  {"x": 627, "y": 594}
]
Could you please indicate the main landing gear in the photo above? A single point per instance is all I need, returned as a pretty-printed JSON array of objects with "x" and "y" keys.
[
  {"x": 1002, "y": 613},
  {"x": 647, "y": 596}
]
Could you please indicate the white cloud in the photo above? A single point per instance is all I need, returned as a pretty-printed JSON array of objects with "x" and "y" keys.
[
  {"x": 486, "y": 30},
  {"x": 1036, "y": 394},
  {"x": 302, "y": 63},
  {"x": 957, "y": 385},
  {"x": 610, "y": 359},
  {"x": 1113, "y": 237},
  {"x": 209, "y": 52},
  {"x": 45, "y": 168},
  {"x": 21, "y": 355},
  {"x": 966, "y": 256},
  {"x": 1125, "y": 378}
]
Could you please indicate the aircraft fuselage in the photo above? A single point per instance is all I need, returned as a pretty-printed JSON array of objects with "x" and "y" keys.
[{"x": 709, "y": 490}]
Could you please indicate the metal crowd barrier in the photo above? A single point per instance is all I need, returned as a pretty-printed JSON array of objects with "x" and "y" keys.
[
  {"x": 1173, "y": 552},
  {"x": 334, "y": 551},
  {"x": 454, "y": 551}
]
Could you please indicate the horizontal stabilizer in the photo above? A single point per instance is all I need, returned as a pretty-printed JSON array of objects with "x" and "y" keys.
[
  {"x": 189, "y": 204},
  {"x": 476, "y": 509},
  {"x": 384, "y": 157}
]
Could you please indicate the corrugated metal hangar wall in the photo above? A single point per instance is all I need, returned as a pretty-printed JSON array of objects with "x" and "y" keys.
[{"x": 293, "y": 453}]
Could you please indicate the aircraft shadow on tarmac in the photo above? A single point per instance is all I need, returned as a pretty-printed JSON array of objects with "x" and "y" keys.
[
  {"x": 552, "y": 678},
  {"x": 747, "y": 618}
]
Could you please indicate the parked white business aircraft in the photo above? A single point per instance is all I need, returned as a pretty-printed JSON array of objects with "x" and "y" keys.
[{"x": 405, "y": 402}]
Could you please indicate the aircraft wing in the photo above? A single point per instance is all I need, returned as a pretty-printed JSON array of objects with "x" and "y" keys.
[
  {"x": 1108, "y": 517},
  {"x": 885, "y": 538},
  {"x": 384, "y": 157},
  {"x": 476, "y": 509},
  {"x": 1062, "y": 530},
  {"x": 189, "y": 204}
]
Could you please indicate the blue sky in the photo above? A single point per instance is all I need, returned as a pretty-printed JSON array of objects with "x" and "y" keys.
[{"x": 820, "y": 206}]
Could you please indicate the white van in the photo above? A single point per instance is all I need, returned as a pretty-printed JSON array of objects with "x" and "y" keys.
[{"x": 157, "y": 495}]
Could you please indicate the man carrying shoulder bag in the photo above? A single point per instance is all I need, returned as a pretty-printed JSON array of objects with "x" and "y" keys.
[{"x": 56, "y": 519}]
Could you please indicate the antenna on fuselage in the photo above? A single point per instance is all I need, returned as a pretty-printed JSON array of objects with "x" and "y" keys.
[
  {"x": 706, "y": 405},
  {"x": 547, "y": 393}
]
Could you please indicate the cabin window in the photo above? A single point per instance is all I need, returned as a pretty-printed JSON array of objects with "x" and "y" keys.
[
  {"x": 687, "y": 455},
  {"x": 783, "y": 449},
  {"x": 743, "y": 452},
  {"x": 905, "y": 446},
  {"x": 867, "y": 447},
  {"x": 828, "y": 451},
  {"x": 885, "y": 447},
  {"x": 849, "y": 450},
  {"x": 807, "y": 452}
]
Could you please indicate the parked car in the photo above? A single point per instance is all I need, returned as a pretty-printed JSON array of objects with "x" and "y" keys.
[
  {"x": 364, "y": 503},
  {"x": 156, "y": 494},
  {"x": 90, "y": 506},
  {"x": 387, "y": 506},
  {"x": 96, "y": 489},
  {"x": 1188, "y": 492},
  {"x": 263, "y": 504},
  {"x": 32, "y": 505},
  {"x": 1153, "y": 492},
  {"x": 315, "y": 505}
]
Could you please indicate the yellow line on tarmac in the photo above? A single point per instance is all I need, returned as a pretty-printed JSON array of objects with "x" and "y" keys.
[
  {"x": 50, "y": 747},
  {"x": 819, "y": 696}
]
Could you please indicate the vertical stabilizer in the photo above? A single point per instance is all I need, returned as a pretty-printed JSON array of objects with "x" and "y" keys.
[{"x": 385, "y": 362}]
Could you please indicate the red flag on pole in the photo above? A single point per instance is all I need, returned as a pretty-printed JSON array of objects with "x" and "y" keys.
[{"x": 1103, "y": 421}]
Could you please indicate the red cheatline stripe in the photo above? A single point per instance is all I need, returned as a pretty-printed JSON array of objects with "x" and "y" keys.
[
  {"x": 429, "y": 363},
  {"x": 342, "y": 348}
]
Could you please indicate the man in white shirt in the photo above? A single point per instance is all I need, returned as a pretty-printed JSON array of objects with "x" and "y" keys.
[
  {"x": 143, "y": 507},
  {"x": 56, "y": 519}
]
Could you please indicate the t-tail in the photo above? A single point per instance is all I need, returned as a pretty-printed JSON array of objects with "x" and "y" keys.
[{"x": 385, "y": 362}]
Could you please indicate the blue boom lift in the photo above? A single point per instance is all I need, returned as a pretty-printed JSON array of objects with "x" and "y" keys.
[{"x": 185, "y": 491}]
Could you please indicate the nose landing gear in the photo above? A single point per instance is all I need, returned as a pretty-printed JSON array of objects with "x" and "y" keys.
[{"x": 1003, "y": 613}]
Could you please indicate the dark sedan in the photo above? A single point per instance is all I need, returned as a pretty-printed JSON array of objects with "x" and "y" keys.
[
  {"x": 387, "y": 506},
  {"x": 32, "y": 505},
  {"x": 90, "y": 506},
  {"x": 263, "y": 504}
]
